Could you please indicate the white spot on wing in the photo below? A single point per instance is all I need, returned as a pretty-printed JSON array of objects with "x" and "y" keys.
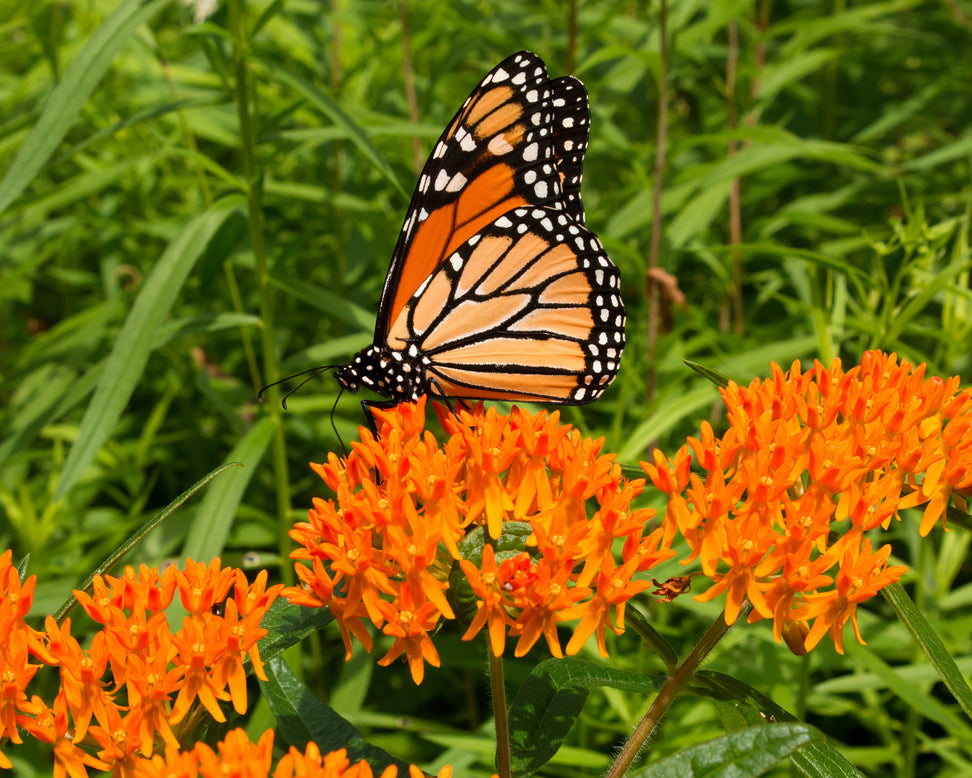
[{"x": 498, "y": 146}]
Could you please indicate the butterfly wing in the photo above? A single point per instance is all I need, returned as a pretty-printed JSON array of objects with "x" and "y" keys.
[
  {"x": 518, "y": 140},
  {"x": 527, "y": 309}
]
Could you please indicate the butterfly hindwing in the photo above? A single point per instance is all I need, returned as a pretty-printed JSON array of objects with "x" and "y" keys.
[
  {"x": 528, "y": 309},
  {"x": 502, "y": 150}
]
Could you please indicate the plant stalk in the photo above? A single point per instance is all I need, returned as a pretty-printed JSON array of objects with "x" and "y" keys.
[
  {"x": 670, "y": 689},
  {"x": 497, "y": 683},
  {"x": 254, "y": 199}
]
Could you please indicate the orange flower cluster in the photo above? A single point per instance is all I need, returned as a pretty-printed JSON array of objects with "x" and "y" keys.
[
  {"x": 408, "y": 511},
  {"x": 237, "y": 756},
  {"x": 161, "y": 672},
  {"x": 807, "y": 456}
]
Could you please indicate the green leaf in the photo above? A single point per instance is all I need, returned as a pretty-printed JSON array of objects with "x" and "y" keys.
[
  {"x": 288, "y": 624},
  {"x": 203, "y": 323},
  {"x": 551, "y": 699},
  {"x": 940, "y": 657},
  {"x": 741, "y": 705},
  {"x": 137, "y": 537},
  {"x": 326, "y": 301},
  {"x": 746, "y": 752},
  {"x": 72, "y": 92},
  {"x": 302, "y": 717},
  {"x": 207, "y": 534},
  {"x": 667, "y": 415},
  {"x": 336, "y": 114},
  {"x": 707, "y": 372},
  {"x": 128, "y": 356},
  {"x": 926, "y": 292}
]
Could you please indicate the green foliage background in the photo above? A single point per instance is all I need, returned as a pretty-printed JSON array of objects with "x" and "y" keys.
[{"x": 146, "y": 218}]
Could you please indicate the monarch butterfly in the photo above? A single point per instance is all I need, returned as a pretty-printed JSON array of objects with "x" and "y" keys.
[{"x": 496, "y": 289}]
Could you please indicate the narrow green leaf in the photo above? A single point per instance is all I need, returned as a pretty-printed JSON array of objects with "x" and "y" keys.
[
  {"x": 71, "y": 93},
  {"x": 125, "y": 548},
  {"x": 302, "y": 717},
  {"x": 551, "y": 699},
  {"x": 746, "y": 752},
  {"x": 707, "y": 372},
  {"x": 926, "y": 292},
  {"x": 326, "y": 301},
  {"x": 207, "y": 534},
  {"x": 957, "y": 149},
  {"x": 203, "y": 323},
  {"x": 940, "y": 657},
  {"x": 336, "y": 114},
  {"x": 667, "y": 415},
  {"x": 130, "y": 353},
  {"x": 793, "y": 69}
]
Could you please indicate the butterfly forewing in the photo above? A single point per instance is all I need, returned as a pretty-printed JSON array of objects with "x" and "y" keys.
[{"x": 501, "y": 151}]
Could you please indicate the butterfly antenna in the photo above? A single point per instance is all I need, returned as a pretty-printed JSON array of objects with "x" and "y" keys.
[{"x": 311, "y": 373}]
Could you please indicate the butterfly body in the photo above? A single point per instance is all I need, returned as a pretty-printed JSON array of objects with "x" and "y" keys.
[{"x": 497, "y": 289}]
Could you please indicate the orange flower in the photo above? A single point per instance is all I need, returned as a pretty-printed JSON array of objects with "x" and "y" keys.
[
  {"x": 18, "y": 643},
  {"x": 805, "y": 453},
  {"x": 237, "y": 756},
  {"x": 506, "y": 496},
  {"x": 135, "y": 656}
]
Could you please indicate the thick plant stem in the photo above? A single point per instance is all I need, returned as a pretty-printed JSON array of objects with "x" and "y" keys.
[
  {"x": 497, "y": 682},
  {"x": 254, "y": 200},
  {"x": 666, "y": 695}
]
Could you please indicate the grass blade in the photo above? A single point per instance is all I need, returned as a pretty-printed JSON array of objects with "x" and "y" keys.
[
  {"x": 130, "y": 353},
  {"x": 71, "y": 93}
]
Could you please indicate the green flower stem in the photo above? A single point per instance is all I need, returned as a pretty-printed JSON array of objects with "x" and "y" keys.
[
  {"x": 497, "y": 681},
  {"x": 666, "y": 695},
  {"x": 254, "y": 191}
]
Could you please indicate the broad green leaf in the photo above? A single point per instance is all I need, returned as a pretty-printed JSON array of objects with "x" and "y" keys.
[
  {"x": 72, "y": 92},
  {"x": 741, "y": 705},
  {"x": 288, "y": 624},
  {"x": 130, "y": 352},
  {"x": 745, "y": 752},
  {"x": 302, "y": 717},
  {"x": 208, "y": 532},
  {"x": 550, "y": 700}
]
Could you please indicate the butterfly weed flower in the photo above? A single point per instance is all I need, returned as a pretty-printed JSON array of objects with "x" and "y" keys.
[
  {"x": 236, "y": 755},
  {"x": 136, "y": 683},
  {"x": 810, "y": 462},
  {"x": 513, "y": 519},
  {"x": 18, "y": 644}
]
